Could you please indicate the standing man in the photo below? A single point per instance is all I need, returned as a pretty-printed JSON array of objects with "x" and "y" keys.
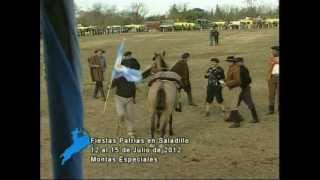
[
  {"x": 233, "y": 82},
  {"x": 124, "y": 102},
  {"x": 245, "y": 94},
  {"x": 215, "y": 76},
  {"x": 216, "y": 36},
  {"x": 132, "y": 63},
  {"x": 273, "y": 78},
  {"x": 211, "y": 37},
  {"x": 182, "y": 69},
  {"x": 98, "y": 66},
  {"x": 259, "y": 22}
]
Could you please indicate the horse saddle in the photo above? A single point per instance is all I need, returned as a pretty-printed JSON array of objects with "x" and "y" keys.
[{"x": 166, "y": 75}]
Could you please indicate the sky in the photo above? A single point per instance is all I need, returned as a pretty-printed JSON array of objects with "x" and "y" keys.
[{"x": 157, "y": 7}]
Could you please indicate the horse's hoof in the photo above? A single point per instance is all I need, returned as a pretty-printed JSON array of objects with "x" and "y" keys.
[
  {"x": 178, "y": 109},
  {"x": 152, "y": 145},
  {"x": 171, "y": 134},
  {"x": 161, "y": 145}
]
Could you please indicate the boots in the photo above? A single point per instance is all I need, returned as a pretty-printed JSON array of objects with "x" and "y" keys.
[
  {"x": 229, "y": 118},
  {"x": 254, "y": 114},
  {"x": 207, "y": 109},
  {"x": 191, "y": 103},
  {"x": 236, "y": 118},
  {"x": 178, "y": 107},
  {"x": 271, "y": 110}
]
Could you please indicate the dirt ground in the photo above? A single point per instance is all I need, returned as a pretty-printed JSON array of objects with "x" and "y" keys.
[{"x": 214, "y": 151}]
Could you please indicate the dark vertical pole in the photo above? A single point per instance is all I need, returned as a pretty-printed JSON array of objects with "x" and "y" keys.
[{"x": 62, "y": 62}]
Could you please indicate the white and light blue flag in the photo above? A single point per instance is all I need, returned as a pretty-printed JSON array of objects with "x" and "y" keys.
[{"x": 119, "y": 70}]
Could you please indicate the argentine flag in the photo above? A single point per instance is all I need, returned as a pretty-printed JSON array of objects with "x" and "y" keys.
[{"x": 119, "y": 70}]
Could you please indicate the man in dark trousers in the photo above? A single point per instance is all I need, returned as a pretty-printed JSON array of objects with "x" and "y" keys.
[
  {"x": 215, "y": 76},
  {"x": 216, "y": 36},
  {"x": 132, "y": 63},
  {"x": 245, "y": 94},
  {"x": 98, "y": 66},
  {"x": 182, "y": 69}
]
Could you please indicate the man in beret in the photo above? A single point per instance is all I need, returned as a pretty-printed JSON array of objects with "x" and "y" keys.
[
  {"x": 182, "y": 69},
  {"x": 215, "y": 76},
  {"x": 132, "y": 63},
  {"x": 273, "y": 78},
  {"x": 233, "y": 82},
  {"x": 245, "y": 94},
  {"x": 102, "y": 66}
]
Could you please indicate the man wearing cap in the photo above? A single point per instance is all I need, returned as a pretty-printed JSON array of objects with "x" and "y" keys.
[
  {"x": 245, "y": 94},
  {"x": 215, "y": 76},
  {"x": 132, "y": 63},
  {"x": 233, "y": 82},
  {"x": 273, "y": 78},
  {"x": 182, "y": 69},
  {"x": 102, "y": 66}
]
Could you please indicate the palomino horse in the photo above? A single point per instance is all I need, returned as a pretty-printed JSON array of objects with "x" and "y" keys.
[{"x": 161, "y": 98}]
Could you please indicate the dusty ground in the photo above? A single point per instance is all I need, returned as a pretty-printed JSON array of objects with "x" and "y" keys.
[{"x": 215, "y": 151}]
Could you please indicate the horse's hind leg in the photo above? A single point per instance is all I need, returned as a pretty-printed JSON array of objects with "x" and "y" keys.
[
  {"x": 158, "y": 121},
  {"x": 152, "y": 125},
  {"x": 164, "y": 119},
  {"x": 163, "y": 130},
  {"x": 170, "y": 126}
]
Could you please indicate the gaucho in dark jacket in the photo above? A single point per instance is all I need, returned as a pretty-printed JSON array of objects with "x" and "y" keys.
[
  {"x": 245, "y": 94},
  {"x": 233, "y": 82},
  {"x": 132, "y": 63},
  {"x": 182, "y": 69}
]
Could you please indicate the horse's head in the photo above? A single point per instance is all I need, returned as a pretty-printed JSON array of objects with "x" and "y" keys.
[{"x": 159, "y": 63}]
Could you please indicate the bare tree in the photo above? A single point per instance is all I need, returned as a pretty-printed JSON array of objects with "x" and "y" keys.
[
  {"x": 97, "y": 7},
  {"x": 138, "y": 11},
  {"x": 250, "y": 3}
]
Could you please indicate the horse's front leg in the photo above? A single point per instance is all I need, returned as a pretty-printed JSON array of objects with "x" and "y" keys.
[
  {"x": 158, "y": 121},
  {"x": 152, "y": 124},
  {"x": 164, "y": 119},
  {"x": 170, "y": 126}
]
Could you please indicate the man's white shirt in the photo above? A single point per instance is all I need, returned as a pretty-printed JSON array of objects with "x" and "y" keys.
[{"x": 275, "y": 69}]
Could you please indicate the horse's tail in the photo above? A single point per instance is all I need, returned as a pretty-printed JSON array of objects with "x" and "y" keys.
[{"x": 161, "y": 99}]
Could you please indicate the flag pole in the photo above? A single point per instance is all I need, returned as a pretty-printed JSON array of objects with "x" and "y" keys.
[
  {"x": 109, "y": 89},
  {"x": 108, "y": 92}
]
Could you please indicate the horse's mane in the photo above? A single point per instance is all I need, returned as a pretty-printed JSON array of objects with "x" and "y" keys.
[{"x": 163, "y": 64}]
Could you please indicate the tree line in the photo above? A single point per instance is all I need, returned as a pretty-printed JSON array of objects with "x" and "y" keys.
[{"x": 104, "y": 15}]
